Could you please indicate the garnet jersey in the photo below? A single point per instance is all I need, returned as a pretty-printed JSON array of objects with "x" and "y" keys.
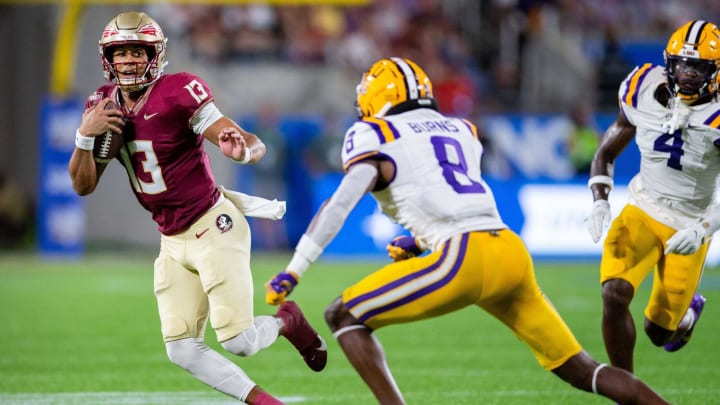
[
  {"x": 166, "y": 163},
  {"x": 437, "y": 191},
  {"x": 679, "y": 170}
]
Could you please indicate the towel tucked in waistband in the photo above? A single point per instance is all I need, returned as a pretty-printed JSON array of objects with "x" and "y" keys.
[{"x": 253, "y": 206}]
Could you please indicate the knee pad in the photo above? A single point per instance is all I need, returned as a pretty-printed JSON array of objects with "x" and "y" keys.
[{"x": 261, "y": 334}]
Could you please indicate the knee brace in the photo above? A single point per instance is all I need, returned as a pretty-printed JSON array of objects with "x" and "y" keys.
[{"x": 261, "y": 334}]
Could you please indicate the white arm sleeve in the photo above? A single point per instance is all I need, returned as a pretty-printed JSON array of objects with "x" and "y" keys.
[
  {"x": 331, "y": 217},
  {"x": 206, "y": 116}
]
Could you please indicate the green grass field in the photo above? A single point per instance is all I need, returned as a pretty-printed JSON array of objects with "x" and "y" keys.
[{"x": 87, "y": 332}]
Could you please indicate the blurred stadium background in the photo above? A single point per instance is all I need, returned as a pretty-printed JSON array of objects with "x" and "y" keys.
[{"x": 534, "y": 75}]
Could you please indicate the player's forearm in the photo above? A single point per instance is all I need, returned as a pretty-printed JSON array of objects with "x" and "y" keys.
[
  {"x": 711, "y": 222},
  {"x": 83, "y": 172},
  {"x": 332, "y": 215},
  {"x": 322, "y": 230},
  {"x": 602, "y": 167},
  {"x": 306, "y": 252}
]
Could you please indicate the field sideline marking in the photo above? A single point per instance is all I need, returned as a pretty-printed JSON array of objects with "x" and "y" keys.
[
  {"x": 214, "y": 398},
  {"x": 126, "y": 398}
]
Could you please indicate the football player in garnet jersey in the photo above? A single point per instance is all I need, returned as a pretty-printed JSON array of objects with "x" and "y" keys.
[
  {"x": 203, "y": 268},
  {"x": 423, "y": 168},
  {"x": 674, "y": 115}
]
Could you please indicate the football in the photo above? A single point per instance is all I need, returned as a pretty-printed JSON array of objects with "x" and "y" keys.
[{"x": 107, "y": 146}]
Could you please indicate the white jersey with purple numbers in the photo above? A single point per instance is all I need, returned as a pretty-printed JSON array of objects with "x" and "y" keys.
[
  {"x": 678, "y": 170},
  {"x": 437, "y": 191}
]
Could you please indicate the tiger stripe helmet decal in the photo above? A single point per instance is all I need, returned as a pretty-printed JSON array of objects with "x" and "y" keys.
[{"x": 390, "y": 82}]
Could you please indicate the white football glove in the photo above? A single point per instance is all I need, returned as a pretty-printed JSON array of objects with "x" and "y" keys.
[
  {"x": 686, "y": 241},
  {"x": 599, "y": 219}
]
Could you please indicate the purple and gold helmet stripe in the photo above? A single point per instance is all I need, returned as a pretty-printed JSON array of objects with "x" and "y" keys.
[
  {"x": 713, "y": 120},
  {"x": 634, "y": 82},
  {"x": 385, "y": 131},
  {"x": 411, "y": 79},
  {"x": 414, "y": 286}
]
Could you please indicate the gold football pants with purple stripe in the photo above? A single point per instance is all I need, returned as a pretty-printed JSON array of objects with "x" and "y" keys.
[
  {"x": 490, "y": 269},
  {"x": 635, "y": 244}
]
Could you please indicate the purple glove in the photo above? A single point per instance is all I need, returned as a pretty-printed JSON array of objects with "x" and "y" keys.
[
  {"x": 279, "y": 287},
  {"x": 402, "y": 248}
]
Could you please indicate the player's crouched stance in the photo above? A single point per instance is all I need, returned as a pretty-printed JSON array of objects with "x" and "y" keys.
[{"x": 423, "y": 168}]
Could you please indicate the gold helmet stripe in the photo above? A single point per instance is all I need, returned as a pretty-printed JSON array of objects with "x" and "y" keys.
[
  {"x": 694, "y": 32},
  {"x": 411, "y": 81}
]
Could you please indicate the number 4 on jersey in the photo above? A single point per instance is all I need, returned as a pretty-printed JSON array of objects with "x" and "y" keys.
[{"x": 672, "y": 144}]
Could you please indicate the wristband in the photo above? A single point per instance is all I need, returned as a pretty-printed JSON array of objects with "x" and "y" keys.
[
  {"x": 306, "y": 252},
  {"x": 298, "y": 265},
  {"x": 84, "y": 142},
  {"x": 601, "y": 179},
  {"x": 247, "y": 156}
]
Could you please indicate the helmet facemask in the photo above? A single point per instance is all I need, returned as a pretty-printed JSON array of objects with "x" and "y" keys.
[
  {"x": 145, "y": 72},
  {"x": 692, "y": 61},
  {"x": 691, "y": 79}
]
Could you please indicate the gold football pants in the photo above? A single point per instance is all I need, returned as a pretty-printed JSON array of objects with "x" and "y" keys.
[
  {"x": 490, "y": 269},
  {"x": 635, "y": 245}
]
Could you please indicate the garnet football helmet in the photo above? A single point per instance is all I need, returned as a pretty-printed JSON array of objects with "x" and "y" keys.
[
  {"x": 692, "y": 60},
  {"x": 139, "y": 29},
  {"x": 390, "y": 82}
]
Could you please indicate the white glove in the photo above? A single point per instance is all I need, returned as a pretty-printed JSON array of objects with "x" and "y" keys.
[
  {"x": 686, "y": 241},
  {"x": 599, "y": 219}
]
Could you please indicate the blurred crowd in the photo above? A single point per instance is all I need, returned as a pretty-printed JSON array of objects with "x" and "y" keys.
[
  {"x": 482, "y": 56},
  {"x": 351, "y": 37}
]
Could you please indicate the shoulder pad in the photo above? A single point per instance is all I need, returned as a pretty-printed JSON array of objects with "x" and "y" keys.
[
  {"x": 186, "y": 88},
  {"x": 364, "y": 139},
  {"x": 714, "y": 121},
  {"x": 643, "y": 79}
]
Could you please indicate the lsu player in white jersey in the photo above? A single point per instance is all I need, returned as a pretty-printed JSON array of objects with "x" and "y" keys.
[
  {"x": 674, "y": 115},
  {"x": 423, "y": 168}
]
